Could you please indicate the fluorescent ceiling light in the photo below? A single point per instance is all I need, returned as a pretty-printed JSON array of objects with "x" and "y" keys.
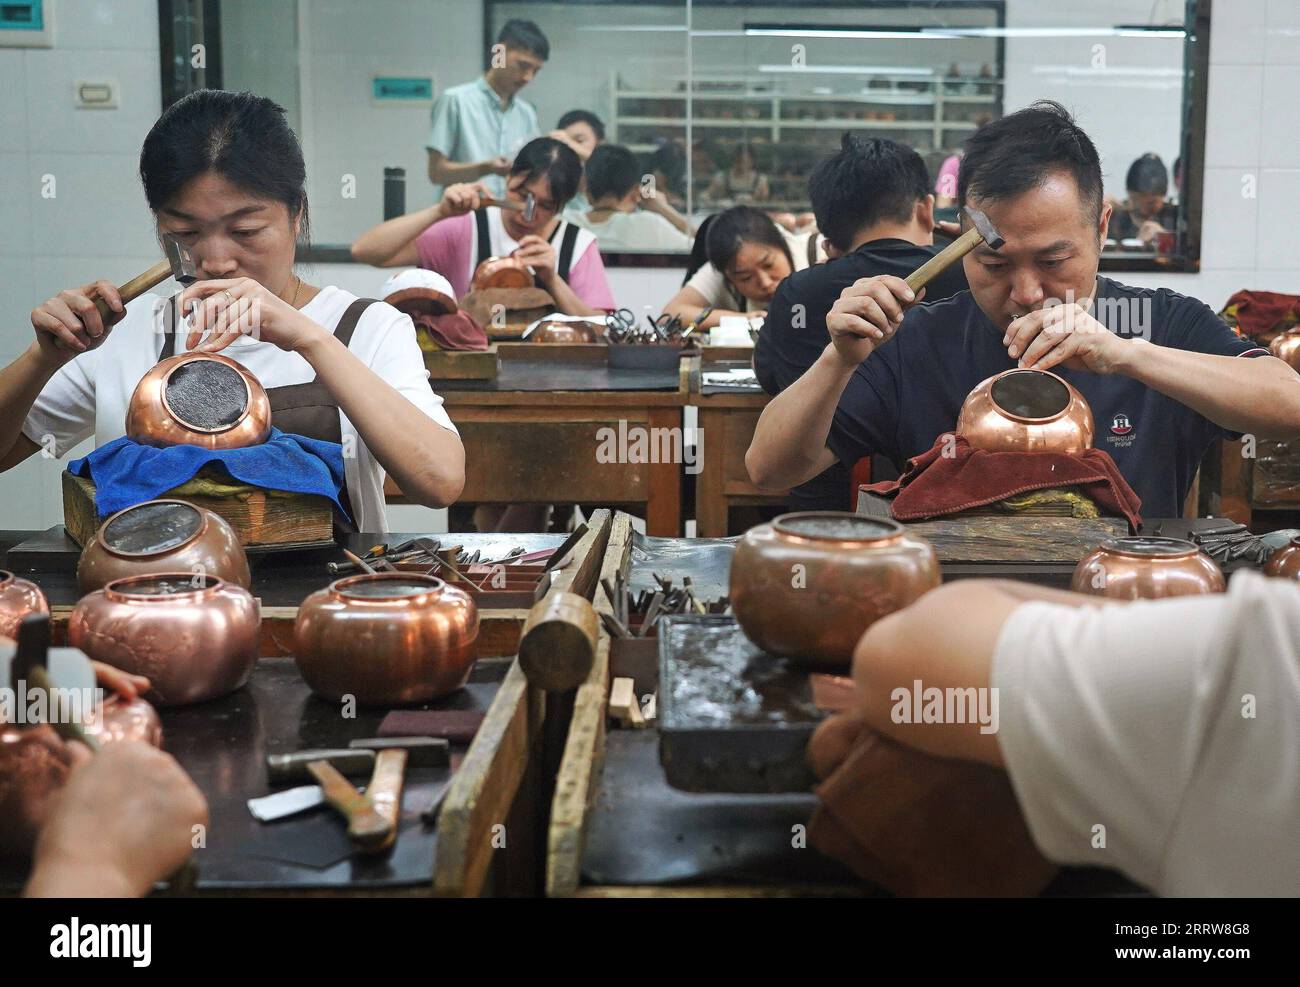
[
  {"x": 1053, "y": 32},
  {"x": 845, "y": 69},
  {"x": 805, "y": 32}
]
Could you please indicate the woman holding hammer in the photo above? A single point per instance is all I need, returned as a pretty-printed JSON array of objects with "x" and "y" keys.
[{"x": 223, "y": 174}]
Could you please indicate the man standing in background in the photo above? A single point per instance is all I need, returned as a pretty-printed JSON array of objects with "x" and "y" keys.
[{"x": 478, "y": 127}]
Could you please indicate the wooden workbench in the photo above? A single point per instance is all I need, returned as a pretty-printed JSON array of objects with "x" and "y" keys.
[{"x": 486, "y": 840}]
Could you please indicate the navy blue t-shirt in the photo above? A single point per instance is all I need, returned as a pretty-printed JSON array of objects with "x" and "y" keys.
[{"x": 909, "y": 392}]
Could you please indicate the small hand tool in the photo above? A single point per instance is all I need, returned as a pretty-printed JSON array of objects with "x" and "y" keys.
[{"x": 981, "y": 231}]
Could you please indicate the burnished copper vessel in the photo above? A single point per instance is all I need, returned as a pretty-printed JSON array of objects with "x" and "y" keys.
[
  {"x": 1285, "y": 562},
  {"x": 201, "y": 399},
  {"x": 31, "y": 772},
  {"x": 194, "y": 636},
  {"x": 807, "y": 585},
  {"x": 502, "y": 272},
  {"x": 162, "y": 536},
  {"x": 386, "y": 639},
  {"x": 1146, "y": 568},
  {"x": 1026, "y": 411},
  {"x": 18, "y": 599},
  {"x": 1286, "y": 346},
  {"x": 560, "y": 331}
]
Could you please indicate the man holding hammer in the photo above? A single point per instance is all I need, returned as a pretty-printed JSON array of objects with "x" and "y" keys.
[{"x": 1160, "y": 370}]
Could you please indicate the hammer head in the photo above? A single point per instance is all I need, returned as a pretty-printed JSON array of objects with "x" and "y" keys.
[
  {"x": 987, "y": 231},
  {"x": 183, "y": 269},
  {"x": 530, "y": 208}
]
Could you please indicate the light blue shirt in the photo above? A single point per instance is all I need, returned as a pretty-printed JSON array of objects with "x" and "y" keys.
[{"x": 470, "y": 125}]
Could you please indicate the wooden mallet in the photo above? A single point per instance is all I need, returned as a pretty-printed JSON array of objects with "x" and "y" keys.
[
  {"x": 178, "y": 264},
  {"x": 981, "y": 231}
]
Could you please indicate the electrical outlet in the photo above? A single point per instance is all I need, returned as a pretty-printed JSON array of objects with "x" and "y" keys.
[{"x": 95, "y": 94}]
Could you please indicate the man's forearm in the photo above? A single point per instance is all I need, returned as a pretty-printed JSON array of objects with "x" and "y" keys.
[
  {"x": 444, "y": 172},
  {"x": 1259, "y": 395},
  {"x": 20, "y": 385},
  {"x": 789, "y": 444}
]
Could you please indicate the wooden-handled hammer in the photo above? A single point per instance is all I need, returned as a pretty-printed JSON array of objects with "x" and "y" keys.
[
  {"x": 177, "y": 264},
  {"x": 981, "y": 231}
]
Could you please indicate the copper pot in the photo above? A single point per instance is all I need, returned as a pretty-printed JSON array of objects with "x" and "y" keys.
[
  {"x": 18, "y": 598},
  {"x": 1285, "y": 562},
  {"x": 387, "y": 639},
  {"x": 560, "y": 331},
  {"x": 31, "y": 773},
  {"x": 1026, "y": 411},
  {"x": 502, "y": 272},
  {"x": 1146, "y": 568},
  {"x": 1286, "y": 346},
  {"x": 200, "y": 399},
  {"x": 807, "y": 585},
  {"x": 162, "y": 536},
  {"x": 194, "y": 636}
]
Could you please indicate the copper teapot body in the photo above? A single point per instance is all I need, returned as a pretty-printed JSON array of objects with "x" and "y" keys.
[
  {"x": 807, "y": 585},
  {"x": 1026, "y": 411},
  {"x": 19, "y": 598},
  {"x": 502, "y": 272},
  {"x": 386, "y": 639},
  {"x": 1285, "y": 561},
  {"x": 1146, "y": 568},
  {"x": 164, "y": 535},
  {"x": 1286, "y": 346},
  {"x": 195, "y": 636},
  {"x": 201, "y": 399},
  {"x": 560, "y": 331}
]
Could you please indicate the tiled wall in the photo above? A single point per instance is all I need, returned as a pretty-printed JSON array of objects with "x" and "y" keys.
[{"x": 97, "y": 224}]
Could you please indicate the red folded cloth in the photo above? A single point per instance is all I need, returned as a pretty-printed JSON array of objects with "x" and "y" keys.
[
  {"x": 918, "y": 825},
  {"x": 456, "y": 725},
  {"x": 455, "y": 331},
  {"x": 935, "y": 485},
  {"x": 1258, "y": 313}
]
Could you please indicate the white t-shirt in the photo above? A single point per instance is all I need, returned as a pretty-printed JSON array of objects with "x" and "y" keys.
[
  {"x": 710, "y": 283},
  {"x": 637, "y": 230},
  {"x": 89, "y": 394},
  {"x": 1138, "y": 718}
]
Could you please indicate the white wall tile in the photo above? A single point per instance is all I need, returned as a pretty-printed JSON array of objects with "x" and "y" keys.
[
  {"x": 13, "y": 107},
  {"x": 1280, "y": 115},
  {"x": 1283, "y": 45},
  {"x": 119, "y": 24},
  {"x": 1279, "y": 205},
  {"x": 1228, "y": 227},
  {"x": 98, "y": 205},
  {"x": 1238, "y": 32},
  {"x": 1232, "y": 127},
  {"x": 16, "y": 196},
  {"x": 16, "y": 304},
  {"x": 56, "y": 124}
]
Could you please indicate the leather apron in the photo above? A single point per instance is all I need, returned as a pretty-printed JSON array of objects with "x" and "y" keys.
[{"x": 308, "y": 409}]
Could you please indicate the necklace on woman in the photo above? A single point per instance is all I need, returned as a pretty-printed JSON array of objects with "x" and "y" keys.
[{"x": 296, "y": 288}]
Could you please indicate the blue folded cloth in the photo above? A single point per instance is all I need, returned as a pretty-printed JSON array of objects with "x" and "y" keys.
[{"x": 127, "y": 473}]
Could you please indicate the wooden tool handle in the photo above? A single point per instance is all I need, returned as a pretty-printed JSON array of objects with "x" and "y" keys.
[
  {"x": 364, "y": 823},
  {"x": 385, "y": 793},
  {"x": 557, "y": 645},
  {"x": 503, "y": 204},
  {"x": 137, "y": 286},
  {"x": 944, "y": 259}
]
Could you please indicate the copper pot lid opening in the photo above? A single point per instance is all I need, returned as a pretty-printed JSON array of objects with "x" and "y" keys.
[
  {"x": 1030, "y": 395},
  {"x": 161, "y": 586},
  {"x": 152, "y": 528},
  {"x": 835, "y": 526},
  {"x": 1150, "y": 547},
  {"x": 386, "y": 586},
  {"x": 206, "y": 395},
  {"x": 5, "y": 576}
]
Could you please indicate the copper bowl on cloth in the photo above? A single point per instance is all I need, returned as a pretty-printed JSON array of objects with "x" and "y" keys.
[
  {"x": 1026, "y": 411},
  {"x": 807, "y": 585},
  {"x": 1286, "y": 346},
  {"x": 19, "y": 598},
  {"x": 199, "y": 399},
  {"x": 502, "y": 272},
  {"x": 194, "y": 636},
  {"x": 387, "y": 639},
  {"x": 1285, "y": 562},
  {"x": 560, "y": 331},
  {"x": 1146, "y": 568},
  {"x": 31, "y": 773},
  {"x": 162, "y": 536}
]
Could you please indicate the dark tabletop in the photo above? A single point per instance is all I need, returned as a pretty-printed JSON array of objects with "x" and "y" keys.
[{"x": 525, "y": 375}]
